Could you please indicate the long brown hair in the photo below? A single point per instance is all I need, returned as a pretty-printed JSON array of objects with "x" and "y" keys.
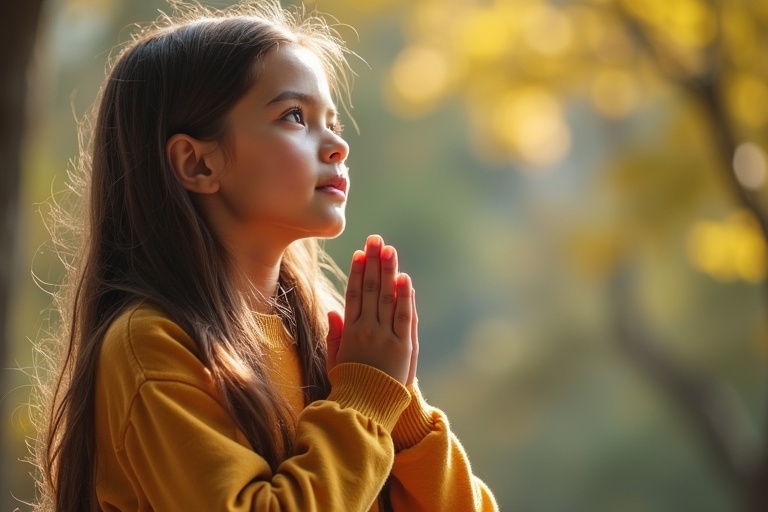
[{"x": 143, "y": 239}]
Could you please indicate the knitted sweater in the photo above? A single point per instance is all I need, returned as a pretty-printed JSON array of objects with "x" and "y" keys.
[{"x": 164, "y": 442}]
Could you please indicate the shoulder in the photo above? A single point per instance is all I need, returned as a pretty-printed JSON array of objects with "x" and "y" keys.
[
  {"x": 147, "y": 344},
  {"x": 146, "y": 362}
]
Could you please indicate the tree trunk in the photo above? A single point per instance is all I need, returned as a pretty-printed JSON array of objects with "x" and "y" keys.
[{"x": 18, "y": 30}]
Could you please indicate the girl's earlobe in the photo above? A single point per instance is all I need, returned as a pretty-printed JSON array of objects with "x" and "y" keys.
[{"x": 197, "y": 164}]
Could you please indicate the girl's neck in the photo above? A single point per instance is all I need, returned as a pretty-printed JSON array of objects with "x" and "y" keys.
[{"x": 258, "y": 280}]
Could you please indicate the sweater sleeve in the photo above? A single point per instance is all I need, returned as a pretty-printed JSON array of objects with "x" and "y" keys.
[
  {"x": 176, "y": 446},
  {"x": 431, "y": 471}
]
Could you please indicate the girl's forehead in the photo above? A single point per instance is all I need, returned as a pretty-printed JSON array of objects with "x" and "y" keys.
[
  {"x": 294, "y": 57},
  {"x": 295, "y": 68}
]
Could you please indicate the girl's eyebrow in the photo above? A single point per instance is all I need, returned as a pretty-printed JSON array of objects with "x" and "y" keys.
[{"x": 300, "y": 97}]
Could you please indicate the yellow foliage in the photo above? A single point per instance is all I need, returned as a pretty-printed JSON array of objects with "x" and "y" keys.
[
  {"x": 647, "y": 10},
  {"x": 740, "y": 35},
  {"x": 530, "y": 122},
  {"x": 545, "y": 52},
  {"x": 747, "y": 98},
  {"x": 482, "y": 34},
  {"x": 729, "y": 250},
  {"x": 592, "y": 28},
  {"x": 368, "y": 6},
  {"x": 547, "y": 29},
  {"x": 687, "y": 23},
  {"x": 425, "y": 17},
  {"x": 691, "y": 23},
  {"x": 418, "y": 79},
  {"x": 615, "y": 46},
  {"x": 615, "y": 92},
  {"x": 679, "y": 30},
  {"x": 595, "y": 253}
]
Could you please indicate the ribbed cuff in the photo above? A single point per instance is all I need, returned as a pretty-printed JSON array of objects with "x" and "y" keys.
[
  {"x": 415, "y": 422},
  {"x": 370, "y": 391}
]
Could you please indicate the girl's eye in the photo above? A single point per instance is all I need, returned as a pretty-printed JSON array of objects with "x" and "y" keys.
[{"x": 295, "y": 115}]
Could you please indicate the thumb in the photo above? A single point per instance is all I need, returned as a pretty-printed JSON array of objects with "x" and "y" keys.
[{"x": 333, "y": 340}]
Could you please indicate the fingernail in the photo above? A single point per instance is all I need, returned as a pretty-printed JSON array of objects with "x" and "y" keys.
[
  {"x": 387, "y": 252},
  {"x": 374, "y": 241}
]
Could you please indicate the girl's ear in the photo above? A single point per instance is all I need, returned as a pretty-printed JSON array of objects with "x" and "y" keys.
[{"x": 197, "y": 164}]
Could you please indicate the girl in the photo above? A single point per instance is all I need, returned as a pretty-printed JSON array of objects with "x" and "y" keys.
[{"x": 207, "y": 366}]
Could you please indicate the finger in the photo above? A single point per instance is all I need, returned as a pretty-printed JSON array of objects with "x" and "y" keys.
[
  {"x": 414, "y": 341},
  {"x": 333, "y": 340},
  {"x": 372, "y": 277},
  {"x": 401, "y": 324},
  {"x": 388, "y": 292},
  {"x": 354, "y": 295}
]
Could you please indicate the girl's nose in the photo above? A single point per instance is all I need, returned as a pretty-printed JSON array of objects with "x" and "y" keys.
[{"x": 334, "y": 150}]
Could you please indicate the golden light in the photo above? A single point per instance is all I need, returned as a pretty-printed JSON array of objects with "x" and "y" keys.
[
  {"x": 426, "y": 16},
  {"x": 483, "y": 34},
  {"x": 591, "y": 27},
  {"x": 749, "y": 165},
  {"x": 748, "y": 99},
  {"x": 614, "y": 45},
  {"x": 647, "y": 10},
  {"x": 690, "y": 23},
  {"x": 531, "y": 122},
  {"x": 547, "y": 29},
  {"x": 418, "y": 79},
  {"x": 728, "y": 250},
  {"x": 615, "y": 93},
  {"x": 740, "y": 37}
]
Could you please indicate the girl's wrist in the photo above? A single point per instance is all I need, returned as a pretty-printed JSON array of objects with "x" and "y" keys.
[
  {"x": 415, "y": 423},
  {"x": 370, "y": 391}
]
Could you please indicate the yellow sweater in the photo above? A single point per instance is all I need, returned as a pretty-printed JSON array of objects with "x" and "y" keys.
[{"x": 165, "y": 443}]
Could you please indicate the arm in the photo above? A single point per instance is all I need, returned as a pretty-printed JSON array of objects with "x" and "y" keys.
[
  {"x": 185, "y": 454},
  {"x": 431, "y": 470},
  {"x": 165, "y": 442}
]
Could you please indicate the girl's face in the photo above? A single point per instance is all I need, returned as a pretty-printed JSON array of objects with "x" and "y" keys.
[{"x": 284, "y": 176}]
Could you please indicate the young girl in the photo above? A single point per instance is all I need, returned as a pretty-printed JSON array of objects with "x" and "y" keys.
[{"x": 208, "y": 366}]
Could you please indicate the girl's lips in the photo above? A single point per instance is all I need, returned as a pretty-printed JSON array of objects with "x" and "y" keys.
[
  {"x": 337, "y": 193},
  {"x": 337, "y": 184}
]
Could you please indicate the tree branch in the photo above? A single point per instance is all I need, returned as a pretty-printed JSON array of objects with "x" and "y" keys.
[
  {"x": 707, "y": 90},
  {"x": 711, "y": 410}
]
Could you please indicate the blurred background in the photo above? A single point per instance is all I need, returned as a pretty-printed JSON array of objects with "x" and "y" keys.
[{"x": 577, "y": 188}]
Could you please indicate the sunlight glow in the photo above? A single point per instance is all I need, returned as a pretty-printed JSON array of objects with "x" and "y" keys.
[
  {"x": 419, "y": 76},
  {"x": 729, "y": 250},
  {"x": 691, "y": 23},
  {"x": 615, "y": 93},
  {"x": 749, "y": 165},
  {"x": 688, "y": 23},
  {"x": 748, "y": 98},
  {"x": 547, "y": 29},
  {"x": 483, "y": 34},
  {"x": 531, "y": 122}
]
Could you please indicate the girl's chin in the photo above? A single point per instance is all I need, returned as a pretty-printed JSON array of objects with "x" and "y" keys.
[
  {"x": 335, "y": 231},
  {"x": 330, "y": 230}
]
